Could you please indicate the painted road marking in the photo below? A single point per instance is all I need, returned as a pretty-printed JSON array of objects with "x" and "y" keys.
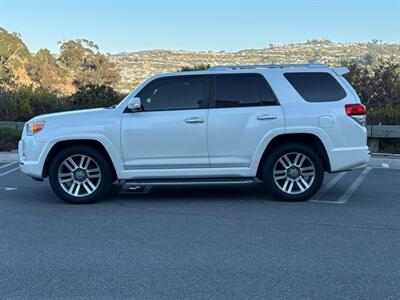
[
  {"x": 9, "y": 171},
  {"x": 326, "y": 188},
  {"x": 354, "y": 186},
  {"x": 6, "y": 188},
  {"x": 9, "y": 164}
]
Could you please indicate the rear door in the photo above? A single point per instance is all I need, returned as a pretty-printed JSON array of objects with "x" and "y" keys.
[{"x": 242, "y": 111}]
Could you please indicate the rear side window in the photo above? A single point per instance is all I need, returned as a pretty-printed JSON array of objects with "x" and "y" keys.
[
  {"x": 316, "y": 87},
  {"x": 240, "y": 90},
  {"x": 175, "y": 93}
]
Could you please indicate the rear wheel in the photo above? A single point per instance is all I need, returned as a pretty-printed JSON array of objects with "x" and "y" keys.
[
  {"x": 293, "y": 172},
  {"x": 80, "y": 174}
]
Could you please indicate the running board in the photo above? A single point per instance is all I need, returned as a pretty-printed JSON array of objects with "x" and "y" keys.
[{"x": 186, "y": 181}]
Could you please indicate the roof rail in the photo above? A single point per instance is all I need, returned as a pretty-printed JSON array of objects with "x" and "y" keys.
[{"x": 239, "y": 67}]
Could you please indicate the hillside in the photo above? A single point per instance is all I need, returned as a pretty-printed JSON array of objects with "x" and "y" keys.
[
  {"x": 19, "y": 67},
  {"x": 136, "y": 66},
  {"x": 81, "y": 63}
]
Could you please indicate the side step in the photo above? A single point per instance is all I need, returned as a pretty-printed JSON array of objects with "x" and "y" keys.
[{"x": 186, "y": 181}]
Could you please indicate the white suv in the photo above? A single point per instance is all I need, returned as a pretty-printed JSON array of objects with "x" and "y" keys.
[{"x": 282, "y": 124}]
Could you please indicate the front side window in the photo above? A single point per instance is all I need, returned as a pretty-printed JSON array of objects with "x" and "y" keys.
[
  {"x": 239, "y": 90},
  {"x": 316, "y": 86},
  {"x": 175, "y": 93}
]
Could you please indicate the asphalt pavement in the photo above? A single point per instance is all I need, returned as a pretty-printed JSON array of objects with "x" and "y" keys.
[{"x": 219, "y": 242}]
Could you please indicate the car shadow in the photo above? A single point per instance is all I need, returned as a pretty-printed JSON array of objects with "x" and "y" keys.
[{"x": 243, "y": 192}]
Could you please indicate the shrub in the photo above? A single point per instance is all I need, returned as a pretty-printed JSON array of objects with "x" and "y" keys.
[
  {"x": 91, "y": 96},
  {"x": 387, "y": 115},
  {"x": 9, "y": 138},
  {"x": 24, "y": 103},
  {"x": 378, "y": 86},
  {"x": 201, "y": 67}
]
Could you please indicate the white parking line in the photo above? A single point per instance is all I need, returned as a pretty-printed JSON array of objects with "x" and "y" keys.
[
  {"x": 9, "y": 171},
  {"x": 327, "y": 187},
  {"x": 9, "y": 164},
  {"x": 7, "y": 188},
  {"x": 353, "y": 187}
]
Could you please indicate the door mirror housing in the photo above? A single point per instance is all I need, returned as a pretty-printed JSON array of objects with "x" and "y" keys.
[{"x": 135, "y": 104}]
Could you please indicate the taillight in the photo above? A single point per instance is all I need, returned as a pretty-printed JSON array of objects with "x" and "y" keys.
[
  {"x": 355, "y": 109},
  {"x": 357, "y": 112}
]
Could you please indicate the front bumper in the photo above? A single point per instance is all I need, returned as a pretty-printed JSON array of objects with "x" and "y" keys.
[
  {"x": 33, "y": 170},
  {"x": 32, "y": 156}
]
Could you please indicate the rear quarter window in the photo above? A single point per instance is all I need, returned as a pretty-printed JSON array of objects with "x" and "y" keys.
[{"x": 316, "y": 86}]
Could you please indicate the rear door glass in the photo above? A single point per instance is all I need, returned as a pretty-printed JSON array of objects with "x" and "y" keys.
[{"x": 240, "y": 90}]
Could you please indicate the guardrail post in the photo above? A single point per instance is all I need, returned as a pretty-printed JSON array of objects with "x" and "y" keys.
[{"x": 373, "y": 145}]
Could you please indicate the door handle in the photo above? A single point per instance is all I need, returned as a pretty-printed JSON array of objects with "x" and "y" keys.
[
  {"x": 194, "y": 120},
  {"x": 266, "y": 117}
]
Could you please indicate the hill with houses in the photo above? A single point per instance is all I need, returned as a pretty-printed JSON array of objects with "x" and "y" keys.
[{"x": 134, "y": 67}]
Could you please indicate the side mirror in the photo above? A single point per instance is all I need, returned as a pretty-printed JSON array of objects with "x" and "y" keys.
[{"x": 135, "y": 104}]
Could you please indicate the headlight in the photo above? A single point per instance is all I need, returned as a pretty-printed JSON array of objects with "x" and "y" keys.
[{"x": 34, "y": 127}]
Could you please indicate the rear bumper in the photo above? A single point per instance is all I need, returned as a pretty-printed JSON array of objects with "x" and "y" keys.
[{"x": 344, "y": 159}]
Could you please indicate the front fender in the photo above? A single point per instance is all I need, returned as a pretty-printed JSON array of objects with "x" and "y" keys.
[{"x": 109, "y": 146}]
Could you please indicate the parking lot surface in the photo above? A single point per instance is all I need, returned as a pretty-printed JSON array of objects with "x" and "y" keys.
[{"x": 203, "y": 242}]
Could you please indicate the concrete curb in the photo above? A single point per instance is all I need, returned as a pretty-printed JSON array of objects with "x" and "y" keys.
[
  {"x": 385, "y": 155},
  {"x": 9, "y": 156},
  {"x": 384, "y": 162}
]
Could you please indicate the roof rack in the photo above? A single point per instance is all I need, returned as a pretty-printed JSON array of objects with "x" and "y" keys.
[{"x": 238, "y": 67}]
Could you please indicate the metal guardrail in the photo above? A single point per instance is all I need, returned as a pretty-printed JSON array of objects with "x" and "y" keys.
[
  {"x": 16, "y": 125},
  {"x": 378, "y": 133},
  {"x": 383, "y": 131}
]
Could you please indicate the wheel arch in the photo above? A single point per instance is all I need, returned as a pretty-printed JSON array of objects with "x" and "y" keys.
[
  {"x": 304, "y": 138},
  {"x": 67, "y": 143}
]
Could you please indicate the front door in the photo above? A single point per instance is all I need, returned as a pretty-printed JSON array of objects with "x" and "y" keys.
[{"x": 171, "y": 131}]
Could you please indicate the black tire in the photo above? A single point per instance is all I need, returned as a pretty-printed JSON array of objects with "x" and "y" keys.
[
  {"x": 272, "y": 160},
  {"x": 103, "y": 184}
]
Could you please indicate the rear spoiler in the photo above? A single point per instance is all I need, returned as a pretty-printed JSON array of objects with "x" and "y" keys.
[{"x": 341, "y": 71}]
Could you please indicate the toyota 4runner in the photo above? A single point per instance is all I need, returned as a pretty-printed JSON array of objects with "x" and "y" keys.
[{"x": 282, "y": 124}]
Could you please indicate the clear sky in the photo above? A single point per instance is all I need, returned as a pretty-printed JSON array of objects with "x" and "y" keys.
[{"x": 124, "y": 25}]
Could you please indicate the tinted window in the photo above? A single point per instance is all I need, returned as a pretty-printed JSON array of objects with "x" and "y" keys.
[
  {"x": 267, "y": 96},
  {"x": 237, "y": 90},
  {"x": 316, "y": 87},
  {"x": 175, "y": 93}
]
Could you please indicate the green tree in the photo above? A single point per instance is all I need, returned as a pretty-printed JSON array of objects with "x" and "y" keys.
[
  {"x": 89, "y": 66},
  {"x": 378, "y": 87},
  {"x": 72, "y": 54},
  {"x": 14, "y": 58},
  {"x": 44, "y": 70}
]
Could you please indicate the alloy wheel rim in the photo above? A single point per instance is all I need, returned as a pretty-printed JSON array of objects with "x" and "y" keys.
[
  {"x": 79, "y": 175},
  {"x": 294, "y": 173}
]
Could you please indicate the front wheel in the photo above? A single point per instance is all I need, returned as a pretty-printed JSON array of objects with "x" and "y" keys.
[
  {"x": 80, "y": 174},
  {"x": 293, "y": 171}
]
